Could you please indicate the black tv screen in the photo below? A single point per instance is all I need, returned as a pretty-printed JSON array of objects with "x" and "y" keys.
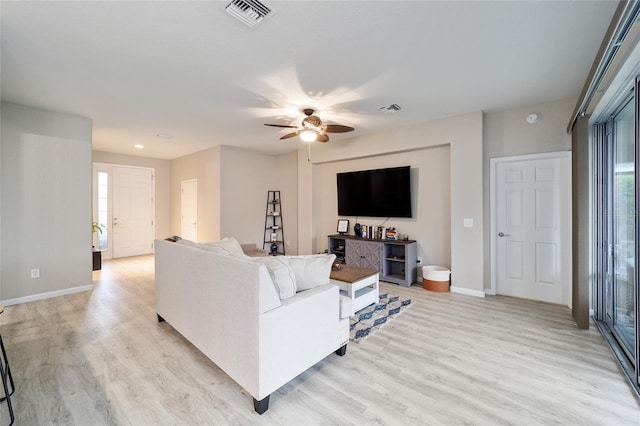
[{"x": 375, "y": 193}]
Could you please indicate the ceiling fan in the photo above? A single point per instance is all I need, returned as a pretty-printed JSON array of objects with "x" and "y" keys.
[{"x": 312, "y": 129}]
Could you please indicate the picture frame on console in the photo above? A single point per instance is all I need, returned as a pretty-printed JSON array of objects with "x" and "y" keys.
[{"x": 343, "y": 226}]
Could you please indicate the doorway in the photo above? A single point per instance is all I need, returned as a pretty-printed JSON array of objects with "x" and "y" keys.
[
  {"x": 618, "y": 221},
  {"x": 530, "y": 223},
  {"x": 189, "y": 209},
  {"x": 123, "y": 204}
]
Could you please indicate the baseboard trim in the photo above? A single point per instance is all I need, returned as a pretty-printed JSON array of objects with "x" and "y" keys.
[
  {"x": 47, "y": 295},
  {"x": 489, "y": 292},
  {"x": 467, "y": 291}
]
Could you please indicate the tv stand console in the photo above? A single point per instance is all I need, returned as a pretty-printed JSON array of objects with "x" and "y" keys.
[{"x": 395, "y": 259}]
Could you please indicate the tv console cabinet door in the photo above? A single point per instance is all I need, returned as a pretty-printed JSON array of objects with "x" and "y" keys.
[
  {"x": 365, "y": 254},
  {"x": 353, "y": 254}
]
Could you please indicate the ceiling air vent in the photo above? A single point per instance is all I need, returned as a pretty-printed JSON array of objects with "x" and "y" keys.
[
  {"x": 249, "y": 12},
  {"x": 391, "y": 108}
]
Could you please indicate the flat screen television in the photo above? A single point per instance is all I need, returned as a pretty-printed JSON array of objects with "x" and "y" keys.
[{"x": 375, "y": 193}]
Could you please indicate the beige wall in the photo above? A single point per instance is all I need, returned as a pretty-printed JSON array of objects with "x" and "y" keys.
[
  {"x": 463, "y": 135},
  {"x": 287, "y": 182},
  {"x": 245, "y": 177},
  {"x": 507, "y": 133},
  {"x": 430, "y": 225},
  {"x": 46, "y": 203},
  {"x": 232, "y": 193},
  {"x": 162, "y": 175},
  {"x": 205, "y": 167}
]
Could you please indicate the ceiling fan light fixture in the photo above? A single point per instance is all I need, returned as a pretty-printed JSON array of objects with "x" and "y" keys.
[{"x": 308, "y": 135}]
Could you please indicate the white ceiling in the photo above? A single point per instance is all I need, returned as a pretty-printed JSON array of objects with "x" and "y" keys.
[{"x": 188, "y": 69}]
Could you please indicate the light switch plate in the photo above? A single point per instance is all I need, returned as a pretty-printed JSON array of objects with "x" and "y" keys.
[{"x": 468, "y": 223}]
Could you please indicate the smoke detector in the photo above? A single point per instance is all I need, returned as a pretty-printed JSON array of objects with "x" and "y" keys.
[
  {"x": 391, "y": 108},
  {"x": 249, "y": 12}
]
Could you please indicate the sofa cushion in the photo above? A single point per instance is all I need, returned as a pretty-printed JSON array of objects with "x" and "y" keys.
[
  {"x": 187, "y": 243},
  {"x": 283, "y": 278},
  {"x": 227, "y": 245},
  {"x": 311, "y": 270},
  {"x": 214, "y": 248}
]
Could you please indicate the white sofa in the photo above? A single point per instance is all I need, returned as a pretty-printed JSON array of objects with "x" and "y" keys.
[{"x": 228, "y": 307}]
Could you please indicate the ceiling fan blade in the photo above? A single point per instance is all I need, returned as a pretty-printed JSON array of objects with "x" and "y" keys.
[
  {"x": 323, "y": 137},
  {"x": 282, "y": 125},
  {"x": 337, "y": 128},
  {"x": 290, "y": 135}
]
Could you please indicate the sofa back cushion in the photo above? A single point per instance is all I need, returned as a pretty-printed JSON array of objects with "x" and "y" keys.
[
  {"x": 229, "y": 245},
  {"x": 311, "y": 270},
  {"x": 283, "y": 278}
]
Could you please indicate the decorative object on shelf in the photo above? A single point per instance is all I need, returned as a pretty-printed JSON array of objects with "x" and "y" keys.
[
  {"x": 273, "y": 238},
  {"x": 371, "y": 318},
  {"x": 357, "y": 230},
  {"x": 391, "y": 234},
  {"x": 343, "y": 226}
]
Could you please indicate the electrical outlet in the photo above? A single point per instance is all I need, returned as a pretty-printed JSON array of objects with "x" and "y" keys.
[
  {"x": 419, "y": 259},
  {"x": 35, "y": 273}
]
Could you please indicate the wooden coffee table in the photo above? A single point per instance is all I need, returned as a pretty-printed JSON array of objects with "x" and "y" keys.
[{"x": 358, "y": 284}]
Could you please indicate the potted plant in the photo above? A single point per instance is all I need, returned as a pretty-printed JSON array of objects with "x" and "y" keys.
[
  {"x": 96, "y": 227},
  {"x": 97, "y": 254}
]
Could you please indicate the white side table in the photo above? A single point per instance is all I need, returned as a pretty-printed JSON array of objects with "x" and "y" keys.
[{"x": 358, "y": 284}]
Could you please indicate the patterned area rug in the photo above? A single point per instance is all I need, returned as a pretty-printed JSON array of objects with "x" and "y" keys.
[{"x": 371, "y": 318}]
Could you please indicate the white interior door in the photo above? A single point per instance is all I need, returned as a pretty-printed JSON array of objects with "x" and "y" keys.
[
  {"x": 189, "y": 209},
  {"x": 531, "y": 216},
  {"x": 132, "y": 218}
]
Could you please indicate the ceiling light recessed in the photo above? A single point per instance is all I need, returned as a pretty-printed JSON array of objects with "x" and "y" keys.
[
  {"x": 249, "y": 12},
  {"x": 533, "y": 118},
  {"x": 164, "y": 135},
  {"x": 138, "y": 146},
  {"x": 391, "y": 108}
]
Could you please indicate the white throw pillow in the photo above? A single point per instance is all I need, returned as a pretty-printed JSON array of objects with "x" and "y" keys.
[
  {"x": 284, "y": 280},
  {"x": 312, "y": 270},
  {"x": 229, "y": 246}
]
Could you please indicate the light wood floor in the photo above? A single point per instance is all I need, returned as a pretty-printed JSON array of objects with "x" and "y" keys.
[{"x": 100, "y": 357}]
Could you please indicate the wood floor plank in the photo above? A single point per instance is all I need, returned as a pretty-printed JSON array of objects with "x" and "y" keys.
[{"x": 101, "y": 358}]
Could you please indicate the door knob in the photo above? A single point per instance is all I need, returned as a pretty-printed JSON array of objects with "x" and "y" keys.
[{"x": 502, "y": 234}]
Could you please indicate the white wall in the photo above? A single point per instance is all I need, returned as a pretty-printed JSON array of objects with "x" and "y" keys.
[
  {"x": 46, "y": 203},
  {"x": 507, "y": 133},
  {"x": 430, "y": 224},
  {"x": 463, "y": 135},
  {"x": 162, "y": 178}
]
